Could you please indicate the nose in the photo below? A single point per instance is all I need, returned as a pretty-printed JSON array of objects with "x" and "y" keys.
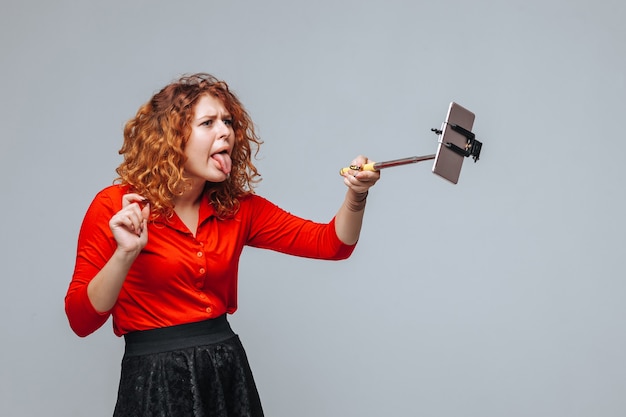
[{"x": 224, "y": 129}]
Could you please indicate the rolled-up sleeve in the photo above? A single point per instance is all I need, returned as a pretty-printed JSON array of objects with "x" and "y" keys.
[{"x": 95, "y": 247}]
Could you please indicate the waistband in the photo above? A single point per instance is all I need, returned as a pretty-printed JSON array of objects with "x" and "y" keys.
[{"x": 177, "y": 337}]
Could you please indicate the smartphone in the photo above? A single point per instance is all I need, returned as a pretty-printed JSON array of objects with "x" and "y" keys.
[{"x": 448, "y": 163}]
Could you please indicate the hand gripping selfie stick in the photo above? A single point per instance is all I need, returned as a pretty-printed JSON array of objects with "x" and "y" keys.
[
  {"x": 377, "y": 166},
  {"x": 455, "y": 143}
]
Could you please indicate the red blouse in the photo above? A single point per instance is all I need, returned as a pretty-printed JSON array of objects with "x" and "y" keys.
[{"x": 180, "y": 278}]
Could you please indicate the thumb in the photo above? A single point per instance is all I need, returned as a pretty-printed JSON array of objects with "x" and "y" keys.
[{"x": 145, "y": 211}]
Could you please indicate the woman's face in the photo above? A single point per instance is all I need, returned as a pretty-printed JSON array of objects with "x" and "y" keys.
[{"x": 210, "y": 142}]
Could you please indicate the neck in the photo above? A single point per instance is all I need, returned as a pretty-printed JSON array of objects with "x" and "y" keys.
[{"x": 189, "y": 198}]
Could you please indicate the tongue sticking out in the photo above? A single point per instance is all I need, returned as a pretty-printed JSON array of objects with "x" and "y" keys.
[{"x": 223, "y": 160}]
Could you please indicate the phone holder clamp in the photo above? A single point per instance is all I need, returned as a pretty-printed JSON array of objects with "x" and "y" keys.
[{"x": 472, "y": 147}]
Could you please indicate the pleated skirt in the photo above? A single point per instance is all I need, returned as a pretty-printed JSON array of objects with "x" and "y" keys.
[{"x": 191, "y": 370}]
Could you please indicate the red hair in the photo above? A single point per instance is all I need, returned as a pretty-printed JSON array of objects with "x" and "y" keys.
[{"x": 155, "y": 139}]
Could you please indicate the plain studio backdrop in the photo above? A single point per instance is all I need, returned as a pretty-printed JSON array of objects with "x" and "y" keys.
[{"x": 500, "y": 296}]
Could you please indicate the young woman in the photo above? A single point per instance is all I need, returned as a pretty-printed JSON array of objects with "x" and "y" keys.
[{"x": 158, "y": 251}]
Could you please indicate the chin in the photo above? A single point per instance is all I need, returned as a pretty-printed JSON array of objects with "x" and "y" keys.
[{"x": 217, "y": 178}]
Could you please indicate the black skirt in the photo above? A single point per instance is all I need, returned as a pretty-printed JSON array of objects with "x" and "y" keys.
[{"x": 191, "y": 370}]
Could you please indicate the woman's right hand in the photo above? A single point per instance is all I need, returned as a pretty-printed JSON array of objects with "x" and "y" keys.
[
  {"x": 130, "y": 225},
  {"x": 130, "y": 231}
]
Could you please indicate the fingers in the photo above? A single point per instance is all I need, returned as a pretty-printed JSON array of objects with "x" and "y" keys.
[
  {"x": 128, "y": 199},
  {"x": 358, "y": 162},
  {"x": 138, "y": 200},
  {"x": 133, "y": 216},
  {"x": 129, "y": 218},
  {"x": 363, "y": 167},
  {"x": 361, "y": 181},
  {"x": 361, "y": 175}
]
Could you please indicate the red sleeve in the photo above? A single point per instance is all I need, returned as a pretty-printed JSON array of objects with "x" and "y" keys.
[
  {"x": 95, "y": 247},
  {"x": 274, "y": 228}
]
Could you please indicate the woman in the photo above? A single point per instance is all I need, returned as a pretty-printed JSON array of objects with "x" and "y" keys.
[{"x": 158, "y": 251}]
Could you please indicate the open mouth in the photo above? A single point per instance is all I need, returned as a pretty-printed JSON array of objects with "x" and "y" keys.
[{"x": 223, "y": 160}]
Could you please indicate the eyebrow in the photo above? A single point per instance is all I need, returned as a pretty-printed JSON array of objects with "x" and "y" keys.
[{"x": 214, "y": 116}]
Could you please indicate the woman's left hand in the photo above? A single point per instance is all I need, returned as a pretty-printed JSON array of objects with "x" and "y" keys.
[{"x": 359, "y": 180}]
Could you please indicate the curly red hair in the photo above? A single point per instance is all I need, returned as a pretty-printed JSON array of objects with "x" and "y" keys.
[{"x": 155, "y": 139}]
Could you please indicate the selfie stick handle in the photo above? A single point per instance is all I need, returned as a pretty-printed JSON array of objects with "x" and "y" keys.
[{"x": 377, "y": 166}]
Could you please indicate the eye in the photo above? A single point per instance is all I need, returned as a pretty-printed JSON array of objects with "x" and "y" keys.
[
  {"x": 207, "y": 123},
  {"x": 228, "y": 122}
]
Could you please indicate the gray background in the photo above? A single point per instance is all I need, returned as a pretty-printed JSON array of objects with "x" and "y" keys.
[{"x": 500, "y": 296}]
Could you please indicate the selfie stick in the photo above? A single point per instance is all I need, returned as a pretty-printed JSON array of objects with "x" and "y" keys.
[
  {"x": 472, "y": 148},
  {"x": 387, "y": 164}
]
